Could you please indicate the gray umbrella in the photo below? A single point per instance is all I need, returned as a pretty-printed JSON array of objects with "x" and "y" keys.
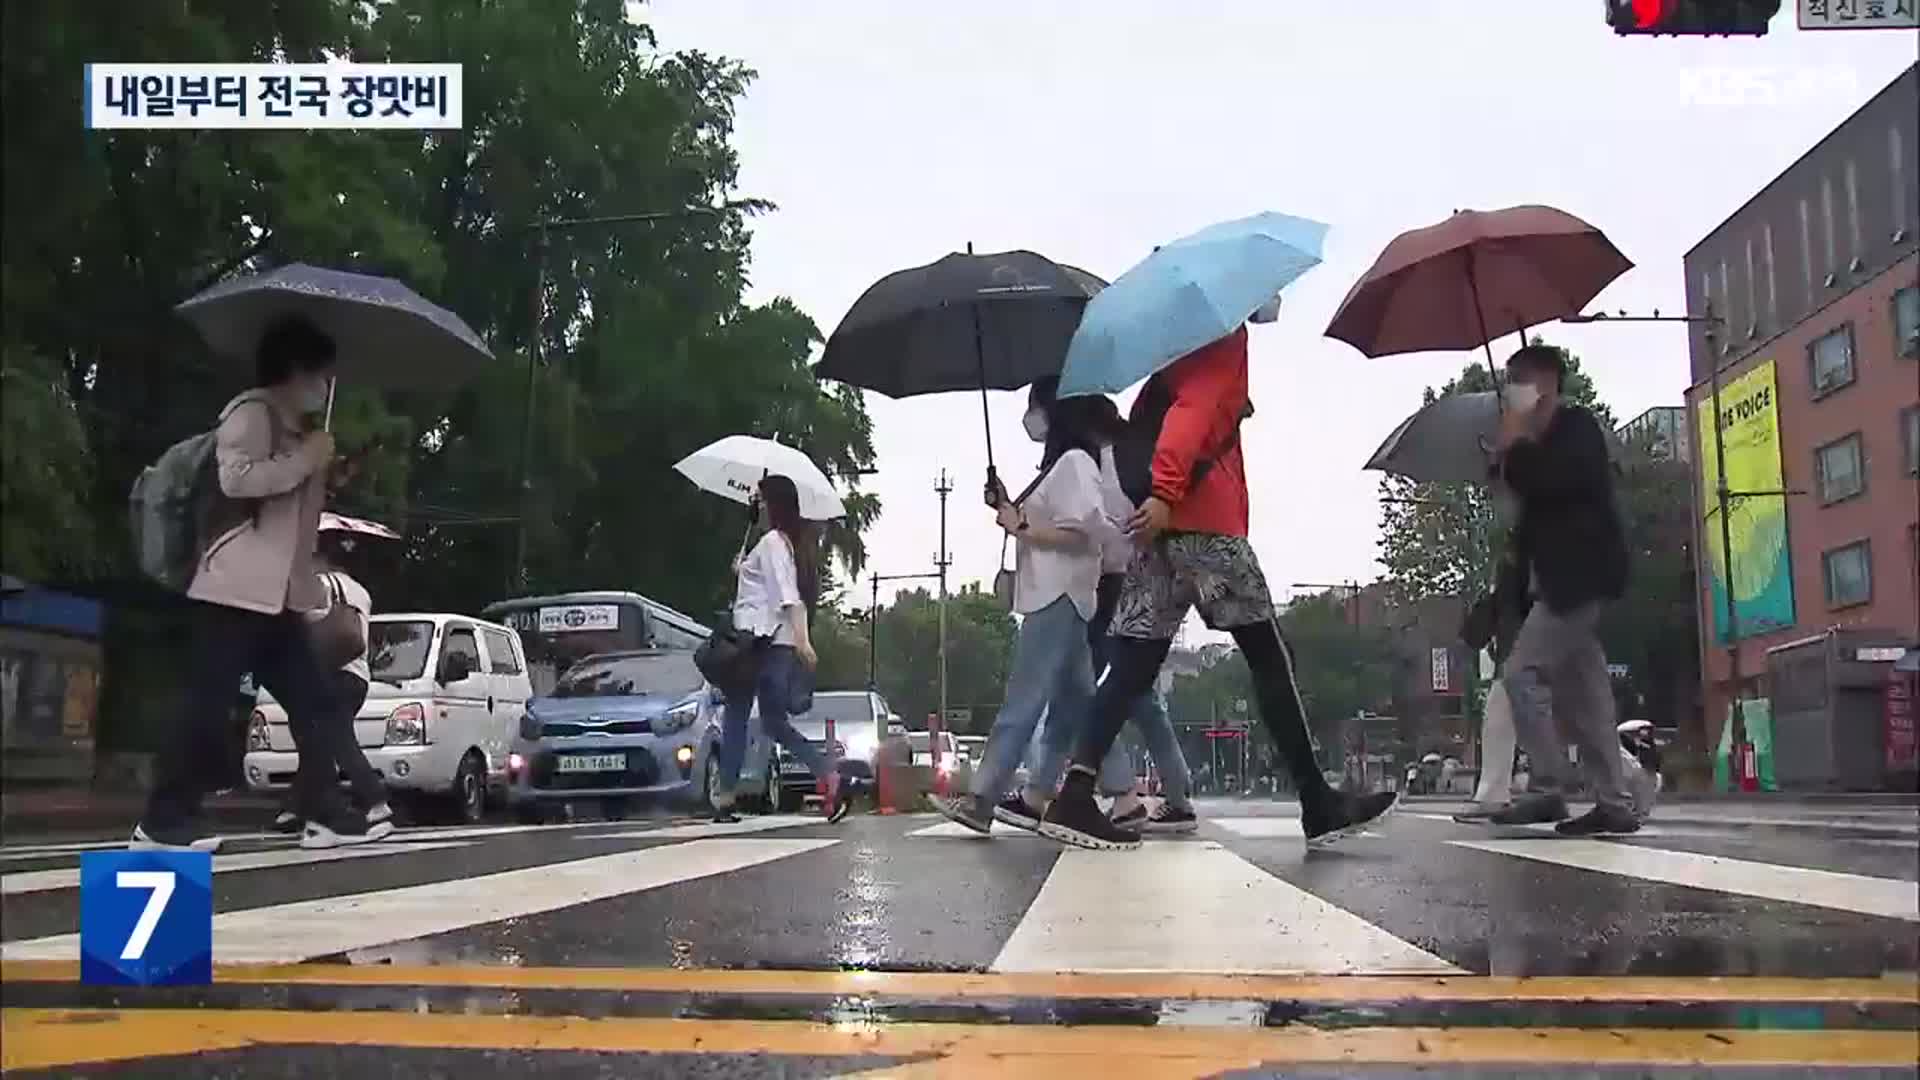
[
  {"x": 1449, "y": 441},
  {"x": 387, "y": 334}
]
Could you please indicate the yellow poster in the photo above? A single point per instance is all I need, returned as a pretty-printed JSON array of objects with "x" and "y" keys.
[{"x": 1762, "y": 566}]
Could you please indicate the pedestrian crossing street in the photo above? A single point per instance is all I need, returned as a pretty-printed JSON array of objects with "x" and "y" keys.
[{"x": 1419, "y": 895}]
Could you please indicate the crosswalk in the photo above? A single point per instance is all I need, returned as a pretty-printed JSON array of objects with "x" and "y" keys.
[{"x": 1415, "y": 897}]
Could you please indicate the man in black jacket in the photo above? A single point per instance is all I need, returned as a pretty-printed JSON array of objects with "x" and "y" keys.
[{"x": 1554, "y": 456}]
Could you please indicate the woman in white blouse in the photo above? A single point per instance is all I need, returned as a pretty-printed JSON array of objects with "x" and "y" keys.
[
  {"x": 1058, "y": 526},
  {"x": 778, "y": 583}
]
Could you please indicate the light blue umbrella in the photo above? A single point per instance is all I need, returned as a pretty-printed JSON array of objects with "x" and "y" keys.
[{"x": 1187, "y": 293}]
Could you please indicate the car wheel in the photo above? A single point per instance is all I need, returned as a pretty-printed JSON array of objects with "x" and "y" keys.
[
  {"x": 469, "y": 792},
  {"x": 770, "y": 791},
  {"x": 710, "y": 779}
]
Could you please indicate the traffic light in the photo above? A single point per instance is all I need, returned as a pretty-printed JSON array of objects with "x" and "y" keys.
[{"x": 1698, "y": 18}]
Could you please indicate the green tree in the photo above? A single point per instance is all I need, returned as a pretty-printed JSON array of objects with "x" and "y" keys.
[
  {"x": 979, "y": 646},
  {"x": 1443, "y": 539},
  {"x": 1654, "y": 629},
  {"x": 45, "y": 471}
]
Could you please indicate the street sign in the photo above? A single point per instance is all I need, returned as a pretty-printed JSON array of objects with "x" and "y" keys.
[
  {"x": 1859, "y": 14},
  {"x": 1441, "y": 672}
]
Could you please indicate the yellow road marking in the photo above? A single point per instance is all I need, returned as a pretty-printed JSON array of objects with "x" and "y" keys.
[
  {"x": 51, "y": 1038},
  {"x": 1336, "y": 988}
]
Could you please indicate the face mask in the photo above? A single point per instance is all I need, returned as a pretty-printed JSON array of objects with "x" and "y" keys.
[
  {"x": 1522, "y": 396},
  {"x": 1036, "y": 424},
  {"x": 313, "y": 394},
  {"x": 1267, "y": 312}
]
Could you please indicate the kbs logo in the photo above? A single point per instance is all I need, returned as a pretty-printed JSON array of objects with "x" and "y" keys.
[
  {"x": 146, "y": 918},
  {"x": 1724, "y": 87}
]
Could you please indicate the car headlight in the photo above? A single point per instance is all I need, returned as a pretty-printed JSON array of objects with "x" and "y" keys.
[
  {"x": 407, "y": 725},
  {"x": 530, "y": 726},
  {"x": 257, "y": 737},
  {"x": 679, "y": 719}
]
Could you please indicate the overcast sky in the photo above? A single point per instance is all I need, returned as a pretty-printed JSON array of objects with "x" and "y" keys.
[{"x": 893, "y": 133}]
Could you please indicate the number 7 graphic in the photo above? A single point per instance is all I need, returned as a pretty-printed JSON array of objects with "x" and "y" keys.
[{"x": 161, "y": 882}]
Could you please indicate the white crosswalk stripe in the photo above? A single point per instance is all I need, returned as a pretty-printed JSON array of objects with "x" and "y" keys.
[
  {"x": 69, "y": 877},
  {"x": 289, "y": 933},
  {"x": 1194, "y": 907},
  {"x": 1887, "y": 897}
]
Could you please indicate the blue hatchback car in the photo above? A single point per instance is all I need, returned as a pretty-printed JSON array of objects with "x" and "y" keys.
[{"x": 622, "y": 727}]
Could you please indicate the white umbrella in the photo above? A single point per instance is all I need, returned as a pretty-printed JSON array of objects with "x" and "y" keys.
[
  {"x": 1633, "y": 725},
  {"x": 733, "y": 468},
  {"x": 332, "y": 522}
]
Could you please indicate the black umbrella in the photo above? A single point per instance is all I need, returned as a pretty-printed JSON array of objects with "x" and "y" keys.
[{"x": 986, "y": 322}]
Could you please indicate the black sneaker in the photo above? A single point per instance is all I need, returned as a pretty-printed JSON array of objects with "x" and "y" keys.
[
  {"x": 1015, "y": 811},
  {"x": 725, "y": 816},
  {"x": 183, "y": 838},
  {"x": 1329, "y": 821},
  {"x": 1134, "y": 820},
  {"x": 1074, "y": 818},
  {"x": 1539, "y": 809},
  {"x": 1168, "y": 819},
  {"x": 1602, "y": 820},
  {"x": 971, "y": 811}
]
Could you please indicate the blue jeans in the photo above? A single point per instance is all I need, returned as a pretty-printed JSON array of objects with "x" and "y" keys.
[
  {"x": 1052, "y": 673},
  {"x": 774, "y": 689}
]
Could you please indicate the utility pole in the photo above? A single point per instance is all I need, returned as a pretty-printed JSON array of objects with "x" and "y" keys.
[
  {"x": 873, "y": 623},
  {"x": 943, "y": 487}
]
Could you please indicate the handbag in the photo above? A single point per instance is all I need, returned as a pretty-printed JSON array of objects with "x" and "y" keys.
[
  {"x": 337, "y": 637},
  {"x": 730, "y": 659}
]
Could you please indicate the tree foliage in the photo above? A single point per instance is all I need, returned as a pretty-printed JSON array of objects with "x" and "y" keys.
[
  {"x": 572, "y": 111},
  {"x": 980, "y": 638},
  {"x": 1654, "y": 629}
]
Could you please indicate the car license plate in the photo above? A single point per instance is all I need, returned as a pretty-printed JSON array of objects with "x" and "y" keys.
[
  {"x": 789, "y": 768},
  {"x": 591, "y": 763}
]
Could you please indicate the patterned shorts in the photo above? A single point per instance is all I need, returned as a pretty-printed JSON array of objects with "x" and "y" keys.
[{"x": 1182, "y": 571}]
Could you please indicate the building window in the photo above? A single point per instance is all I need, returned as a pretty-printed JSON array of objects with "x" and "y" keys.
[
  {"x": 1849, "y": 574},
  {"x": 1841, "y": 472},
  {"x": 1906, "y": 322},
  {"x": 1831, "y": 358},
  {"x": 1910, "y": 436}
]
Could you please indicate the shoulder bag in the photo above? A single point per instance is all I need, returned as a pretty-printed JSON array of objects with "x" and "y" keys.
[{"x": 337, "y": 636}]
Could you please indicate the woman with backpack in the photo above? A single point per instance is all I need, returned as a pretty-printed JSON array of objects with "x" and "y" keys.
[
  {"x": 251, "y": 583},
  {"x": 777, "y": 584},
  {"x": 1058, "y": 527}
]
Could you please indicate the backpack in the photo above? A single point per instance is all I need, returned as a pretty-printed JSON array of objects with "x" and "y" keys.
[
  {"x": 177, "y": 508},
  {"x": 1133, "y": 450}
]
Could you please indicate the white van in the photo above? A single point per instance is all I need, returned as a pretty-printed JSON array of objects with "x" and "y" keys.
[{"x": 440, "y": 717}]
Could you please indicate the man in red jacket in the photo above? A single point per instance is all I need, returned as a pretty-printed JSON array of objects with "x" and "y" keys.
[{"x": 1193, "y": 553}]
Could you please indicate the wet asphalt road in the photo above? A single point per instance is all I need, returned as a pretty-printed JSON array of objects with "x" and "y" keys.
[{"x": 1793, "y": 896}]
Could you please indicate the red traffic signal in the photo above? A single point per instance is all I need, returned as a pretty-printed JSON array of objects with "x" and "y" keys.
[{"x": 1691, "y": 18}]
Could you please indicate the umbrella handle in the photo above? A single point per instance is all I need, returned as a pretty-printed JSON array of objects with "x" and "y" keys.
[{"x": 326, "y": 423}]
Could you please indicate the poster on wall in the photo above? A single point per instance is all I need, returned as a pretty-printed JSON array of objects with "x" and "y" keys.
[{"x": 1762, "y": 576}]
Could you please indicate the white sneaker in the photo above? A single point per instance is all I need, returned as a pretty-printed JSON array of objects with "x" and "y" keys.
[
  {"x": 182, "y": 840},
  {"x": 380, "y": 813},
  {"x": 318, "y": 836}
]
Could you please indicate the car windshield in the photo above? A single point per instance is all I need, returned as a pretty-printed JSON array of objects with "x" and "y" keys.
[
  {"x": 670, "y": 674},
  {"x": 846, "y": 710},
  {"x": 397, "y": 651}
]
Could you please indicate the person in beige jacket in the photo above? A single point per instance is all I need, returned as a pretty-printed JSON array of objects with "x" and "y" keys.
[{"x": 253, "y": 582}]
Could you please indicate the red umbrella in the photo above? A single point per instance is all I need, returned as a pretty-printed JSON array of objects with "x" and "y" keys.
[{"x": 1443, "y": 286}]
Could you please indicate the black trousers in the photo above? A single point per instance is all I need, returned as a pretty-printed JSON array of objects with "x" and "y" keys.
[
  {"x": 1135, "y": 663},
  {"x": 349, "y": 693},
  {"x": 227, "y": 643}
]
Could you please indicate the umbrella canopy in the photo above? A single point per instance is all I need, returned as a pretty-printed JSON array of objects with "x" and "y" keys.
[
  {"x": 1430, "y": 759},
  {"x": 1450, "y": 441},
  {"x": 1633, "y": 725},
  {"x": 332, "y": 522},
  {"x": 1473, "y": 277},
  {"x": 965, "y": 322},
  {"x": 386, "y": 334},
  {"x": 733, "y": 468},
  {"x": 1187, "y": 293}
]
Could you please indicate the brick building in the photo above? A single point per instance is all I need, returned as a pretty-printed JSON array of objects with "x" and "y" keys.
[{"x": 1818, "y": 276}]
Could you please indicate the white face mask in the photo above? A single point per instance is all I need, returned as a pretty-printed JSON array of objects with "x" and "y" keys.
[
  {"x": 1268, "y": 312},
  {"x": 1522, "y": 396},
  {"x": 312, "y": 395},
  {"x": 1036, "y": 424}
]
